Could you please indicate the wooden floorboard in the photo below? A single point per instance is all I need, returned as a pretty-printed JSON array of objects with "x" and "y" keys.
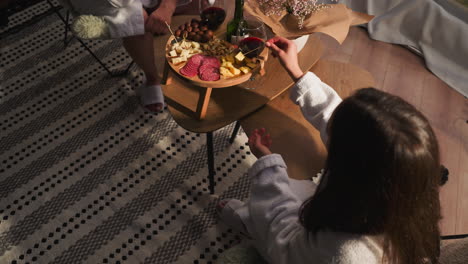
[
  {"x": 399, "y": 71},
  {"x": 462, "y": 205}
]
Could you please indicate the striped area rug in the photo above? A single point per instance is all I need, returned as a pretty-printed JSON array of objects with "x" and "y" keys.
[{"x": 86, "y": 176}]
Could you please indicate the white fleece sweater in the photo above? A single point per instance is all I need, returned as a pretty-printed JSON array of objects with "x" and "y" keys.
[{"x": 271, "y": 215}]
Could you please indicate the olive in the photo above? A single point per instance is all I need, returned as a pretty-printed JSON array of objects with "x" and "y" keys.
[
  {"x": 189, "y": 29},
  {"x": 182, "y": 27},
  {"x": 194, "y": 25},
  {"x": 187, "y": 24},
  {"x": 195, "y": 30},
  {"x": 197, "y": 38},
  {"x": 209, "y": 33},
  {"x": 203, "y": 28},
  {"x": 178, "y": 32},
  {"x": 200, "y": 32},
  {"x": 192, "y": 34}
]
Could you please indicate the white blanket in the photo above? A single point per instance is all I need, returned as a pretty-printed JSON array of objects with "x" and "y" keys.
[{"x": 436, "y": 28}]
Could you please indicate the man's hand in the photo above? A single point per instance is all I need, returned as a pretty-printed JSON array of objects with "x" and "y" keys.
[
  {"x": 156, "y": 21},
  {"x": 260, "y": 143}
]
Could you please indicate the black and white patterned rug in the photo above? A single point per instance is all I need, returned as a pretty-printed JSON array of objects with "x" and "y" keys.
[{"x": 86, "y": 176}]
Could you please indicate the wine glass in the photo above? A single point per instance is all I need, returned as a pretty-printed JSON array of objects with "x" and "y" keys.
[
  {"x": 251, "y": 37},
  {"x": 212, "y": 13}
]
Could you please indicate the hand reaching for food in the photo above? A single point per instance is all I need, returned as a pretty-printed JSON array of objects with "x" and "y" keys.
[
  {"x": 260, "y": 143},
  {"x": 286, "y": 51},
  {"x": 156, "y": 21}
]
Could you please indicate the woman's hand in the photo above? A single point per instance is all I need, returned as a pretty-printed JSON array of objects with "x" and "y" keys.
[
  {"x": 156, "y": 21},
  {"x": 286, "y": 51},
  {"x": 260, "y": 143}
]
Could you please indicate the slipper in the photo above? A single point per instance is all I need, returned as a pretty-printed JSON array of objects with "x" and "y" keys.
[
  {"x": 151, "y": 95},
  {"x": 226, "y": 210}
]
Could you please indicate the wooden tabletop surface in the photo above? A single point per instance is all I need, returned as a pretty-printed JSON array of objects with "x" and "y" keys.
[{"x": 229, "y": 104}]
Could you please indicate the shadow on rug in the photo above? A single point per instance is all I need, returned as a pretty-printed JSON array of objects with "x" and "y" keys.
[{"x": 86, "y": 176}]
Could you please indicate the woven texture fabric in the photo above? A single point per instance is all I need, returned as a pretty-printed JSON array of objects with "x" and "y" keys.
[{"x": 87, "y": 176}]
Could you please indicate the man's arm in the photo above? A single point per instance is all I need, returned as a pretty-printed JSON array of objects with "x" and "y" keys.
[
  {"x": 156, "y": 22},
  {"x": 171, "y": 4}
]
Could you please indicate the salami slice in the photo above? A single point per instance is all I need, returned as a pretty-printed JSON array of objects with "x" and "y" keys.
[
  {"x": 209, "y": 73},
  {"x": 191, "y": 67},
  {"x": 206, "y": 67}
]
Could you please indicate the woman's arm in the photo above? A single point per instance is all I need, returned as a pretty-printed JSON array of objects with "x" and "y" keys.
[
  {"x": 273, "y": 208},
  {"x": 316, "y": 99}
]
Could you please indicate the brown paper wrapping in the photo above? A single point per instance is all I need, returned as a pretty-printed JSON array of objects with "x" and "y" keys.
[{"x": 333, "y": 21}]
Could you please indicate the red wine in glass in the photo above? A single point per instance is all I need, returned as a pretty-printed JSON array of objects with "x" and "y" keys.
[
  {"x": 252, "y": 46},
  {"x": 213, "y": 17}
]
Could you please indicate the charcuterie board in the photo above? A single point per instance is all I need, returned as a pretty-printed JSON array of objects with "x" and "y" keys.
[{"x": 256, "y": 64}]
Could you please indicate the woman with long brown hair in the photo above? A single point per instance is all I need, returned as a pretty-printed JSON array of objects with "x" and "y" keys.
[{"x": 378, "y": 199}]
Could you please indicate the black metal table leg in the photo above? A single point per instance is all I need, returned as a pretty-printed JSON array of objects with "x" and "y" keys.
[
  {"x": 65, "y": 39},
  {"x": 234, "y": 132},
  {"x": 211, "y": 171}
]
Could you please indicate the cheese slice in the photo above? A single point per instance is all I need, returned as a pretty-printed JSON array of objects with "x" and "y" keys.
[
  {"x": 234, "y": 71},
  {"x": 227, "y": 64},
  {"x": 240, "y": 56},
  {"x": 225, "y": 72},
  {"x": 195, "y": 45},
  {"x": 244, "y": 69},
  {"x": 187, "y": 45},
  {"x": 179, "y": 60},
  {"x": 185, "y": 53}
]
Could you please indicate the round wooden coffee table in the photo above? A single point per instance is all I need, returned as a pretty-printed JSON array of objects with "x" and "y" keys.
[{"x": 230, "y": 104}]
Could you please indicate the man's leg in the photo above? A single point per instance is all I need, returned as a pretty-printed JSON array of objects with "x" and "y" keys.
[
  {"x": 3, "y": 12},
  {"x": 140, "y": 48},
  {"x": 189, "y": 9}
]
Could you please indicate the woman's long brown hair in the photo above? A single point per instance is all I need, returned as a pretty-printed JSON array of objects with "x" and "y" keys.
[{"x": 382, "y": 177}]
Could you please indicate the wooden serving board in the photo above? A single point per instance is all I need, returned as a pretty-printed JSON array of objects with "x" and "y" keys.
[
  {"x": 221, "y": 83},
  {"x": 229, "y": 105}
]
